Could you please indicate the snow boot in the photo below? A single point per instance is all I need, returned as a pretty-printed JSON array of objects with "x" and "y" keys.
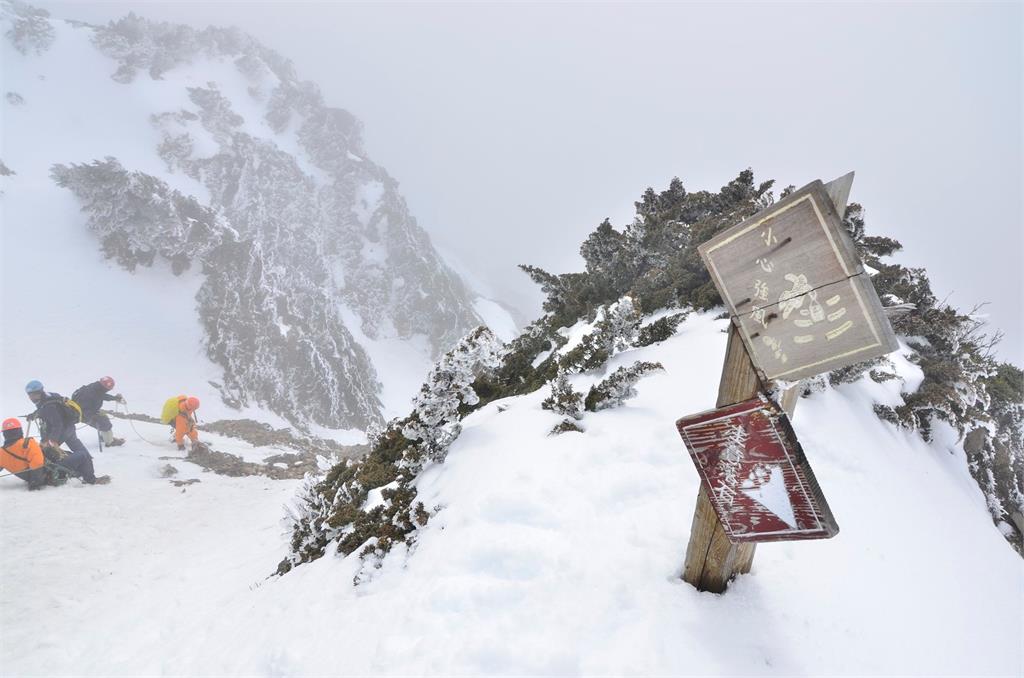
[
  {"x": 100, "y": 480},
  {"x": 114, "y": 442}
]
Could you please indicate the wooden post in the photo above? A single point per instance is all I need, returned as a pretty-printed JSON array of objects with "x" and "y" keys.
[{"x": 712, "y": 561}]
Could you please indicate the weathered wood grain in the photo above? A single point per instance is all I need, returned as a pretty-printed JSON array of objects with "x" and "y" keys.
[
  {"x": 711, "y": 559},
  {"x": 791, "y": 277},
  {"x": 822, "y": 330},
  {"x": 756, "y": 473},
  {"x": 802, "y": 234},
  {"x": 839, "y": 191}
]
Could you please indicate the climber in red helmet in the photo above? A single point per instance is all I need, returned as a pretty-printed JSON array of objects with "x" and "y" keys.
[
  {"x": 91, "y": 398},
  {"x": 185, "y": 421}
]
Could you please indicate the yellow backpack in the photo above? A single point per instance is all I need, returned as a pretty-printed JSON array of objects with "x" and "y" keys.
[{"x": 170, "y": 410}]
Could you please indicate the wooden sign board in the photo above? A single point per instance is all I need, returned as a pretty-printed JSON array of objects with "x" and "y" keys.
[
  {"x": 756, "y": 475},
  {"x": 794, "y": 285}
]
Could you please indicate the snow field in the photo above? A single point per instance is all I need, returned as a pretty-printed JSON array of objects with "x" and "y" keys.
[
  {"x": 116, "y": 579},
  {"x": 548, "y": 556}
]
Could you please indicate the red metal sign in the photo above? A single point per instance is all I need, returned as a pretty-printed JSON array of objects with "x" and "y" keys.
[{"x": 756, "y": 474}]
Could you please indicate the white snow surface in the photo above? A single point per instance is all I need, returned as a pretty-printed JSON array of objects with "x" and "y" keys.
[
  {"x": 549, "y": 556},
  {"x": 496, "y": 318}
]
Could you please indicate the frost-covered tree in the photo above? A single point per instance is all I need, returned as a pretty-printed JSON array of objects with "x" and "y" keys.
[
  {"x": 319, "y": 235},
  {"x": 564, "y": 399},
  {"x": 138, "y": 217},
  {"x": 618, "y": 387},
  {"x": 964, "y": 385},
  {"x": 273, "y": 329},
  {"x": 615, "y": 329},
  {"x": 660, "y": 330},
  {"x": 31, "y": 30},
  {"x": 434, "y": 423},
  {"x": 334, "y": 511}
]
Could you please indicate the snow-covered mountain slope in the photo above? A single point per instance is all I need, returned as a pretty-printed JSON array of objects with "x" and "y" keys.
[
  {"x": 550, "y": 555},
  {"x": 217, "y": 228}
]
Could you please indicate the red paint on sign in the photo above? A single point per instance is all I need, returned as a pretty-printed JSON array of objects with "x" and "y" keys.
[{"x": 756, "y": 474}]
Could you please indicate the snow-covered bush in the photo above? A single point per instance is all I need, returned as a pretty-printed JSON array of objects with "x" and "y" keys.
[
  {"x": 660, "y": 330},
  {"x": 564, "y": 399},
  {"x": 434, "y": 423},
  {"x": 334, "y": 510},
  {"x": 566, "y": 426},
  {"x": 963, "y": 386},
  {"x": 614, "y": 330},
  {"x": 619, "y": 386}
]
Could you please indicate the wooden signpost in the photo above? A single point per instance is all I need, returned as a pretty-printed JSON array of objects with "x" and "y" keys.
[
  {"x": 791, "y": 279},
  {"x": 801, "y": 304},
  {"x": 759, "y": 482}
]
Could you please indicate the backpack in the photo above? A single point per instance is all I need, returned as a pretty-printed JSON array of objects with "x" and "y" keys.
[
  {"x": 70, "y": 411},
  {"x": 76, "y": 396},
  {"x": 170, "y": 411}
]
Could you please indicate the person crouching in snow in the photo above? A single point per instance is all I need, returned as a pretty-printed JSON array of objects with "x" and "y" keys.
[
  {"x": 180, "y": 413},
  {"x": 22, "y": 456},
  {"x": 57, "y": 420},
  {"x": 91, "y": 398},
  {"x": 33, "y": 462}
]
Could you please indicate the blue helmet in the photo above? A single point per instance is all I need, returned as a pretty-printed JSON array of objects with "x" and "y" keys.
[{"x": 33, "y": 386}]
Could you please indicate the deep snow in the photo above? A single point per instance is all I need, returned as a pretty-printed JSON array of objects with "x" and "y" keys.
[{"x": 549, "y": 556}]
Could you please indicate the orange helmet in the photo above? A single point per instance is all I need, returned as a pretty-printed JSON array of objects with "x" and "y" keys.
[
  {"x": 192, "y": 403},
  {"x": 11, "y": 424}
]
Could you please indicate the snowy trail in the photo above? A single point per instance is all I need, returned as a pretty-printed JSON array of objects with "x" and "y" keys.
[
  {"x": 549, "y": 556},
  {"x": 113, "y": 579}
]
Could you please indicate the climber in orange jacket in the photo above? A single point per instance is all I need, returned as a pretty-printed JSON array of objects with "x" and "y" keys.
[
  {"x": 22, "y": 456},
  {"x": 185, "y": 421}
]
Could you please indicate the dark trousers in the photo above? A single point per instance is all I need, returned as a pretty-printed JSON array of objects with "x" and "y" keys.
[
  {"x": 79, "y": 463},
  {"x": 34, "y": 477},
  {"x": 71, "y": 438},
  {"x": 100, "y": 422}
]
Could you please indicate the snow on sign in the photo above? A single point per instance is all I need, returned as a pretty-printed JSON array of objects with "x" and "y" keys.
[
  {"x": 756, "y": 474},
  {"x": 796, "y": 288}
]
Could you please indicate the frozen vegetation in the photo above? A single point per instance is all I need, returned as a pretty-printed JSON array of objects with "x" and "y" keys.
[
  {"x": 203, "y": 150},
  {"x": 528, "y": 511}
]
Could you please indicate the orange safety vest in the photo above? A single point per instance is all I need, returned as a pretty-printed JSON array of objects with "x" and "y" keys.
[{"x": 23, "y": 454}]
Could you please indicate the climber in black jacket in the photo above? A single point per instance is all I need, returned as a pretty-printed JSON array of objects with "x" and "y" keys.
[{"x": 91, "y": 398}]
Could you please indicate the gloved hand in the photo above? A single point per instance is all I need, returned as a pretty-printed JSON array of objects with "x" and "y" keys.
[
  {"x": 52, "y": 451},
  {"x": 181, "y": 448},
  {"x": 119, "y": 398},
  {"x": 32, "y": 417}
]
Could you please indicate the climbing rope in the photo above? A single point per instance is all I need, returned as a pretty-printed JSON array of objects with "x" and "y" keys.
[{"x": 131, "y": 422}]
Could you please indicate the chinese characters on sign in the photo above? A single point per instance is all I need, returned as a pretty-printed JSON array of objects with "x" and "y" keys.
[
  {"x": 794, "y": 285},
  {"x": 757, "y": 477}
]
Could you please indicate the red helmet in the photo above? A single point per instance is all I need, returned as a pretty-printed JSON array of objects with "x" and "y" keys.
[
  {"x": 11, "y": 424},
  {"x": 192, "y": 404},
  {"x": 107, "y": 382}
]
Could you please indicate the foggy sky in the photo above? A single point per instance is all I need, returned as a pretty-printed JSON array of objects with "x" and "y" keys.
[{"x": 515, "y": 129}]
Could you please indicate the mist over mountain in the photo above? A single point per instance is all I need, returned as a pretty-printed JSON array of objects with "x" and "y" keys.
[{"x": 203, "y": 155}]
